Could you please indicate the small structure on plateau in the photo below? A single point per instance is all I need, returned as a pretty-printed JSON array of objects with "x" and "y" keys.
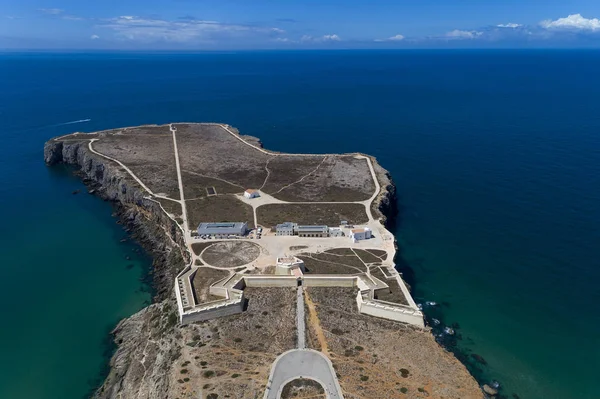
[
  {"x": 288, "y": 265},
  {"x": 251, "y": 193},
  {"x": 223, "y": 229}
]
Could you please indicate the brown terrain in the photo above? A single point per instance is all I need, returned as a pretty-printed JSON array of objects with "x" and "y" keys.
[{"x": 376, "y": 358}]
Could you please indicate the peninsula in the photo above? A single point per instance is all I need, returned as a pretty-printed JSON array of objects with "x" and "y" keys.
[{"x": 274, "y": 273}]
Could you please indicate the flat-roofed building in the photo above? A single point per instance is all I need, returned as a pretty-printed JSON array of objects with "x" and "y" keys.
[
  {"x": 223, "y": 229},
  {"x": 363, "y": 233},
  {"x": 313, "y": 231},
  {"x": 335, "y": 232},
  {"x": 286, "y": 229},
  {"x": 287, "y": 265}
]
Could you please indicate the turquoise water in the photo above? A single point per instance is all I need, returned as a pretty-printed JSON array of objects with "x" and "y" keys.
[{"x": 495, "y": 154}]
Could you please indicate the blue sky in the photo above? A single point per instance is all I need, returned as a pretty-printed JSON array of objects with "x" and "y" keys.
[{"x": 262, "y": 24}]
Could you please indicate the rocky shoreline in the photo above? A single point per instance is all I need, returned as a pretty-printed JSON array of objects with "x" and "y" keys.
[{"x": 148, "y": 342}]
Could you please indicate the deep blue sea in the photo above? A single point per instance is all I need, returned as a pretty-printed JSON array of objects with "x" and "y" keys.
[{"x": 496, "y": 155}]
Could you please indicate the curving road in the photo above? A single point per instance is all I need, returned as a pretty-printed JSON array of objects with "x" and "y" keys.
[{"x": 302, "y": 363}]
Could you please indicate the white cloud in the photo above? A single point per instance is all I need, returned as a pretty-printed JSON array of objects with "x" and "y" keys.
[
  {"x": 51, "y": 11},
  {"x": 574, "y": 21},
  {"x": 396, "y": 38},
  {"x": 94, "y": 37},
  {"x": 72, "y": 18},
  {"x": 463, "y": 34},
  {"x": 324, "y": 38},
  {"x": 135, "y": 28},
  {"x": 509, "y": 25}
]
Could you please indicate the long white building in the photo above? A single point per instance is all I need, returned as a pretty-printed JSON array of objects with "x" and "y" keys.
[{"x": 223, "y": 229}]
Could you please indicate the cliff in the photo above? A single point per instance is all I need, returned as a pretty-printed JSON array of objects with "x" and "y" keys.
[{"x": 146, "y": 340}]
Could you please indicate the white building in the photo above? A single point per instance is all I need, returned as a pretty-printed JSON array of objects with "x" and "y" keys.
[
  {"x": 251, "y": 193},
  {"x": 335, "y": 232},
  {"x": 223, "y": 229},
  {"x": 360, "y": 234},
  {"x": 286, "y": 229},
  {"x": 313, "y": 231}
]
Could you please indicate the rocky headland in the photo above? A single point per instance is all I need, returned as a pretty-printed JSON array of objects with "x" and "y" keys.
[{"x": 158, "y": 358}]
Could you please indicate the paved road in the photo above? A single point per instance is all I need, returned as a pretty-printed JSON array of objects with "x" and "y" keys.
[
  {"x": 173, "y": 130},
  {"x": 300, "y": 326},
  {"x": 305, "y": 363}
]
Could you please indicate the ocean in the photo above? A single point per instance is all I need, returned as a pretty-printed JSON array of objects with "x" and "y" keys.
[{"x": 496, "y": 156}]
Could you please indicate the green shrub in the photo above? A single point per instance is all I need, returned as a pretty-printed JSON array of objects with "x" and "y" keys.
[
  {"x": 364, "y": 377},
  {"x": 359, "y": 348},
  {"x": 403, "y": 390},
  {"x": 172, "y": 319},
  {"x": 235, "y": 375},
  {"x": 209, "y": 373}
]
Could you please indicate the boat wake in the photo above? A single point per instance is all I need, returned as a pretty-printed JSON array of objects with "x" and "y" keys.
[{"x": 73, "y": 122}]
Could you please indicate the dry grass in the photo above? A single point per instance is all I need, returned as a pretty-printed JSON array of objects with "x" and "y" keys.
[
  {"x": 303, "y": 388},
  {"x": 148, "y": 152},
  {"x": 213, "y": 152},
  {"x": 219, "y": 208},
  {"x": 171, "y": 207},
  {"x": 231, "y": 253},
  {"x": 337, "y": 178},
  {"x": 287, "y": 169},
  {"x": 232, "y": 356},
  {"x": 327, "y": 214},
  {"x": 367, "y": 257},
  {"x": 195, "y": 185},
  {"x": 328, "y": 263},
  {"x": 369, "y": 353},
  {"x": 203, "y": 279},
  {"x": 198, "y": 247},
  {"x": 393, "y": 293}
]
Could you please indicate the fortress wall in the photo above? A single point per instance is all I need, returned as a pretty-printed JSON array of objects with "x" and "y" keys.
[
  {"x": 329, "y": 281},
  {"x": 406, "y": 292},
  {"x": 219, "y": 291},
  {"x": 390, "y": 312},
  {"x": 213, "y": 311},
  {"x": 270, "y": 281}
]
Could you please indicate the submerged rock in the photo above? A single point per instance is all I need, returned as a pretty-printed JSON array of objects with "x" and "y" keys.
[
  {"x": 489, "y": 390},
  {"x": 478, "y": 358}
]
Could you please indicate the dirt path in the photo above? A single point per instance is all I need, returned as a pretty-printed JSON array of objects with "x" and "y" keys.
[{"x": 313, "y": 320}]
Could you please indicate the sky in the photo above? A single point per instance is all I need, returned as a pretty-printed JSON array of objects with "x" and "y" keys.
[{"x": 297, "y": 24}]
